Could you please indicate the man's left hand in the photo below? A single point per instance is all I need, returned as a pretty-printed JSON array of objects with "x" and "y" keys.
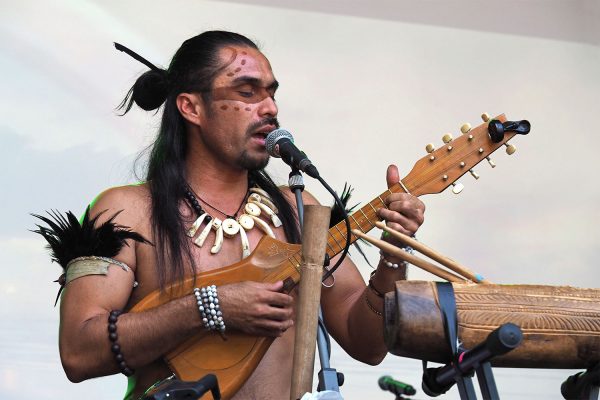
[{"x": 404, "y": 212}]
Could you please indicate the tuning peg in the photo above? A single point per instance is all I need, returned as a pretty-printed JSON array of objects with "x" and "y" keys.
[
  {"x": 474, "y": 174},
  {"x": 510, "y": 149},
  {"x": 465, "y": 128},
  {"x": 485, "y": 117},
  {"x": 447, "y": 138},
  {"x": 492, "y": 164},
  {"x": 430, "y": 149},
  {"x": 496, "y": 129},
  {"x": 457, "y": 187}
]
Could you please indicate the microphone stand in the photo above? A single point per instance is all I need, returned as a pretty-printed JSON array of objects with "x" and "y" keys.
[
  {"x": 328, "y": 377},
  {"x": 583, "y": 385},
  {"x": 175, "y": 389},
  {"x": 437, "y": 381}
]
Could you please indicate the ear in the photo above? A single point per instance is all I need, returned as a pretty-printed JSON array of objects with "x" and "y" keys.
[{"x": 191, "y": 107}]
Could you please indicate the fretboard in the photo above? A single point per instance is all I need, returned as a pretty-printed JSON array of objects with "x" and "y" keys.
[{"x": 363, "y": 219}]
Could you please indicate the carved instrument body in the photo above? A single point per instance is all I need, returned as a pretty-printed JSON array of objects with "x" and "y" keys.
[
  {"x": 560, "y": 324},
  {"x": 234, "y": 359}
]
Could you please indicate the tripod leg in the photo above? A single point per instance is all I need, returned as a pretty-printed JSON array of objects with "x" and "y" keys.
[
  {"x": 466, "y": 388},
  {"x": 487, "y": 384}
]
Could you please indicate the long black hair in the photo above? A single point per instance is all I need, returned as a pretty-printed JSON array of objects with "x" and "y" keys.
[{"x": 192, "y": 69}]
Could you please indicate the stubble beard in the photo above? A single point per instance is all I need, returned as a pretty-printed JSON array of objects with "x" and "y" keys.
[{"x": 246, "y": 161}]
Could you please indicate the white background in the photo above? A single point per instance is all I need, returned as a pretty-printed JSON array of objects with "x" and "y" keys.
[{"x": 358, "y": 91}]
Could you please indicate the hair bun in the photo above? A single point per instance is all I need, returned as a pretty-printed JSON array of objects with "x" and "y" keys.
[{"x": 151, "y": 89}]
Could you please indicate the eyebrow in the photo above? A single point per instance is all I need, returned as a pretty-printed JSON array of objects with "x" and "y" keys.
[{"x": 254, "y": 81}]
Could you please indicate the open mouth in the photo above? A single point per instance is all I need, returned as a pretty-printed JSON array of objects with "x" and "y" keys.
[
  {"x": 262, "y": 133},
  {"x": 265, "y": 130}
]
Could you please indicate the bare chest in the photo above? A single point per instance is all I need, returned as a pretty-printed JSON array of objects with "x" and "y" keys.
[{"x": 204, "y": 257}]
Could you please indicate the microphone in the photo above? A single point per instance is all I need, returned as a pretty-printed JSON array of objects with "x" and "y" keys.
[
  {"x": 582, "y": 384},
  {"x": 280, "y": 144},
  {"x": 180, "y": 390},
  {"x": 506, "y": 337},
  {"x": 396, "y": 387}
]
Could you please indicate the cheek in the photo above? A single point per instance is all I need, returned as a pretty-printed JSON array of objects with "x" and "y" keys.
[{"x": 235, "y": 107}]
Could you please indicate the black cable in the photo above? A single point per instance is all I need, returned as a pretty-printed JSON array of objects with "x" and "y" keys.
[
  {"x": 327, "y": 340},
  {"x": 348, "y": 229}
]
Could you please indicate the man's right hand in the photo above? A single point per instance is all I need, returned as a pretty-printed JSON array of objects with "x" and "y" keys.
[{"x": 259, "y": 309}]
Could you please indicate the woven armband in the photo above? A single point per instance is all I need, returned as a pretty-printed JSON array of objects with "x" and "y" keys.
[{"x": 91, "y": 265}]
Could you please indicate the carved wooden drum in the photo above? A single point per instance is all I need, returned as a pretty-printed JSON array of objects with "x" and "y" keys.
[{"x": 560, "y": 324}]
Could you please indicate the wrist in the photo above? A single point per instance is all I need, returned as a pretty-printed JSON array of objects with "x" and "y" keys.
[
  {"x": 389, "y": 238},
  {"x": 383, "y": 279},
  {"x": 391, "y": 261}
]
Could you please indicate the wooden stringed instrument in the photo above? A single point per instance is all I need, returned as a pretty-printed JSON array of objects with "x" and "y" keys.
[{"x": 233, "y": 360}]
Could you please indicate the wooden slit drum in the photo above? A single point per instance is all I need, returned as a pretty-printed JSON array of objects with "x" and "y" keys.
[{"x": 560, "y": 324}]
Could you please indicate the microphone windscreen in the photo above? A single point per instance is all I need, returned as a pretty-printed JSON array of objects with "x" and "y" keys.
[
  {"x": 273, "y": 137},
  {"x": 383, "y": 384}
]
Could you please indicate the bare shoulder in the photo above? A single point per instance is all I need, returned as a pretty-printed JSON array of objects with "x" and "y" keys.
[
  {"x": 307, "y": 197},
  {"x": 131, "y": 202}
]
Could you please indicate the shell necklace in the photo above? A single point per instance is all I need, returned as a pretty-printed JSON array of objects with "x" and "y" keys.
[{"x": 257, "y": 204}]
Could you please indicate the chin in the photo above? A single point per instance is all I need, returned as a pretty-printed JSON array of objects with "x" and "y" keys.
[{"x": 248, "y": 162}]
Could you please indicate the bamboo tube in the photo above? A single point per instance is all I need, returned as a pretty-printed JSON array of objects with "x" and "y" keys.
[{"x": 314, "y": 241}]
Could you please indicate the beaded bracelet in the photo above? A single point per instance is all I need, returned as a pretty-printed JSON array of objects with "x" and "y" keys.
[
  {"x": 115, "y": 347},
  {"x": 375, "y": 291},
  {"x": 371, "y": 305},
  {"x": 208, "y": 304},
  {"x": 390, "y": 264}
]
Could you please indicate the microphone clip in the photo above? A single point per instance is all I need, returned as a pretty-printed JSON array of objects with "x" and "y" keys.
[{"x": 295, "y": 180}]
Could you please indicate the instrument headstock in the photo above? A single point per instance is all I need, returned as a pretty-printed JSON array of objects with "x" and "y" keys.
[{"x": 443, "y": 166}]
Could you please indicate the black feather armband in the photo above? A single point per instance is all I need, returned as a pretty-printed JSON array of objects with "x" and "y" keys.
[{"x": 69, "y": 240}]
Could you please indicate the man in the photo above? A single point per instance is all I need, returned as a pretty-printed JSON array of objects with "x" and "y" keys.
[{"x": 218, "y": 95}]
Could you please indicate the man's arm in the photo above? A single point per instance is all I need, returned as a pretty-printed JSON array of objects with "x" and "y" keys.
[
  {"x": 353, "y": 311},
  {"x": 255, "y": 308},
  {"x": 87, "y": 302}
]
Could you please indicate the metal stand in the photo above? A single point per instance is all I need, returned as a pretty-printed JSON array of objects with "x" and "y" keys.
[
  {"x": 437, "y": 381},
  {"x": 583, "y": 385},
  {"x": 329, "y": 378},
  {"x": 175, "y": 389}
]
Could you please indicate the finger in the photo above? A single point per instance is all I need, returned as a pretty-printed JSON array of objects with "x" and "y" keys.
[
  {"x": 278, "y": 314},
  {"x": 277, "y": 299},
  {"x": 407, "y": 208},
  {"x": 399, "y": 222},
  {"x": 276, "y": 328},
  {"x": 392, "y": 175},
  {"x": 273, "y": 287},
  {"x": 407, "y": 205}
]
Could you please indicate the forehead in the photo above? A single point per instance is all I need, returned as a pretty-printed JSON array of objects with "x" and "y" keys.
[{"x": 243, "y": 62}]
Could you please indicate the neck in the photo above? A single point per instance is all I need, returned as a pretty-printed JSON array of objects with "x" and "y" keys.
[{"x": 221, "y": 186}]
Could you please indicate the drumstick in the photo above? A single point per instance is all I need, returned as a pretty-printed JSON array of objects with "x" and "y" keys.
[
  {"x": 434, "y": 255},
  {"x": 395, "y": 251}
]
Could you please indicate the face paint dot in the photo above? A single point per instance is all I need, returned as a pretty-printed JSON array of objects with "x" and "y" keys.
[
  {"x": 236, "y": 108},
  {"x": 230, "y": 74},
  {"x": 224, "y": 107},
  {"x": 248, "y": 109},
  {"x": 238, "y": 69},
  {"x": 244, "y": 53},
  {"x": 243, "y": 62}
]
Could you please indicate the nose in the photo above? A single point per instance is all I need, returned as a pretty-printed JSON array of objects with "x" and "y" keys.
[{"x": 268, "y": 108}]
